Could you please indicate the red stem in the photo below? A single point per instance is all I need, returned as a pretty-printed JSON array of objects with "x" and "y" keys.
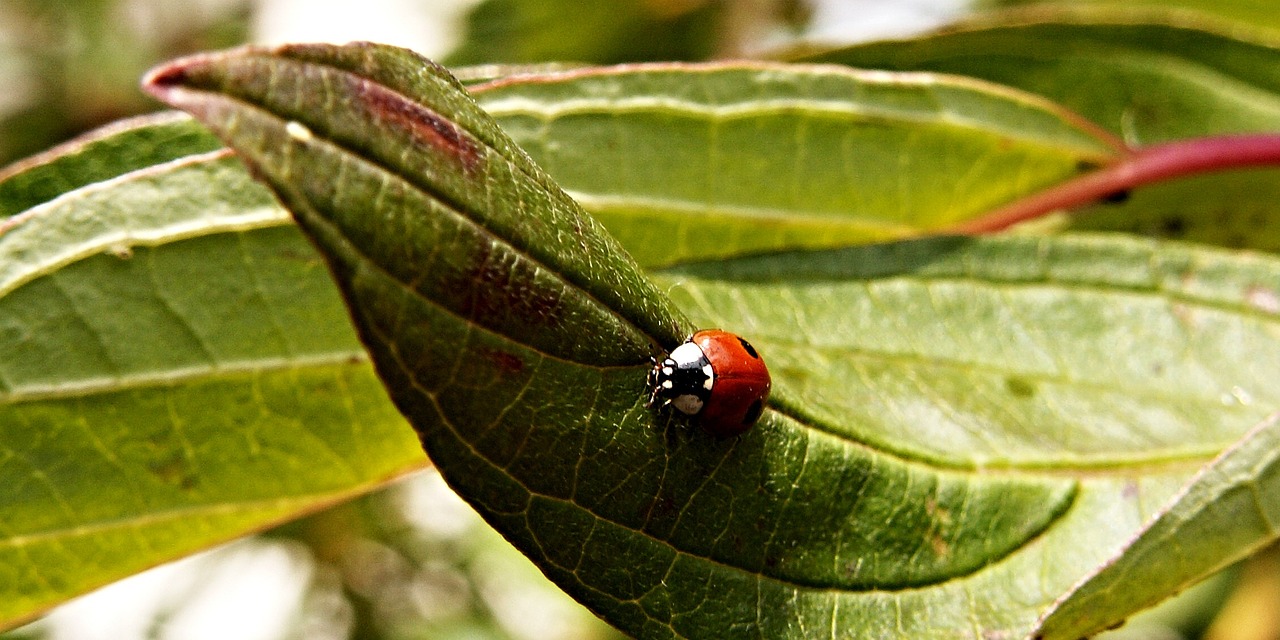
[{"x": 1144, "y": 166}]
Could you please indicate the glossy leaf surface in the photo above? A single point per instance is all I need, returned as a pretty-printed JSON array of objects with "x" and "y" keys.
[
  {"x": 686, "y": 162},
  {"x": 515, "y": 335}
]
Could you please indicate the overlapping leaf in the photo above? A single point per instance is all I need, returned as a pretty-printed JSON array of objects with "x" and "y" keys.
[
  {"x": 983, "y": 478},
  {"x": 1229, "y": 509},
  {"x": 1147, "y": 81},
  {"x": 696, "y": 161},
  {"x": 176, "y": 368}
]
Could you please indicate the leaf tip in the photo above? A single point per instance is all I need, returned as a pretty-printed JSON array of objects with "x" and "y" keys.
[{"x": 163, "y": 81}]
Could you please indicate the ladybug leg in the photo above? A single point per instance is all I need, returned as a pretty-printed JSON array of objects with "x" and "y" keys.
[{"x": 652, "y": 382}]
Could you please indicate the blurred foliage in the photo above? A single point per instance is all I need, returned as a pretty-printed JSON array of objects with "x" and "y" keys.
[
  {"x": 1253, "y": 13},
  {"x": 73, "y": 65},
  {"x": 524, "y": 31},
  {"x": 413, "y": 561}
]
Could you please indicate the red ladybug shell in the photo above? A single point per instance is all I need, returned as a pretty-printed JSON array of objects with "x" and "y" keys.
[{"x": 741, "y": 385}]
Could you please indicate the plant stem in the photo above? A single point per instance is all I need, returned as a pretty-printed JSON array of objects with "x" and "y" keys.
[{"x": 1144, "y": 166}]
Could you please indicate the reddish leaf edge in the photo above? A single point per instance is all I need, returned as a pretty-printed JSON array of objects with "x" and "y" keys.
[{"x": 1144, "y": 166}]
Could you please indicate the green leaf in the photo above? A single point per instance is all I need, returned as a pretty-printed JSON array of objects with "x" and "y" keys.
[
  {"x": 688, "y": 162},
  {"x": 178, "y": 369},
  {"x": 126, "y": 146},
  {"x": 1146, "y": 80},
  {"x": 1121, "y": 364},
  {"x": 1024, "y": 397},
  {"x": 1247, "y": 14},
  {"x": 1187, "y": 539},
  {"x": 444, "y": 176},
  {"x": 523, "y": 31},
  {"x": 1092, "y": 352}
]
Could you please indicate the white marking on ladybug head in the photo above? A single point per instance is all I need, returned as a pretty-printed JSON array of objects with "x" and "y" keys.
[
  {"x": 686, "y": 354},
  {"x": 666, "y": 371},
  {"x": 711, "y": 377},
  {"x": 687, "y": 403},
  {"x": 667, "y": 384}
]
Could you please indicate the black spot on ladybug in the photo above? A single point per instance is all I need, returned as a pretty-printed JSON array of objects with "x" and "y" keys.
[{"x": 750, "y": 349}]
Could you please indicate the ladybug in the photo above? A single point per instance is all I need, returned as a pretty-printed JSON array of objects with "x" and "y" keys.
[{"x": 715, "y": 376}]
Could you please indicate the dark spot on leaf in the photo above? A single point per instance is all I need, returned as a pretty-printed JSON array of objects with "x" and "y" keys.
[
  {"x": 425, "y": 126},
  {"x": 940, "y": 546},
  {"x": 1173, "y": 227},
  {"x": 496, "y": 288},
  {"x": 505, "y": 363},
  {"x": 1085, "y": 166},
  {"x": 852, "y": 568},
  {"x": 663, "y": 508},
  {"x": 1020, "y": 387},
  {"x": 1130, "y": 490},
  {"x": 577, "y": 233},
  {"x": 938, "y": 513},
  {"x": 174, "y": 471},
  {"x": 1117, "y": 197},
  {"x": 1117, "y": 625}
]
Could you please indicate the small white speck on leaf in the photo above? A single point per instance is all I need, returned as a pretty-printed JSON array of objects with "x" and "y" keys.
[
  {"x": 1237, "y": 396},
  {"x": 298, "y": 131}
]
